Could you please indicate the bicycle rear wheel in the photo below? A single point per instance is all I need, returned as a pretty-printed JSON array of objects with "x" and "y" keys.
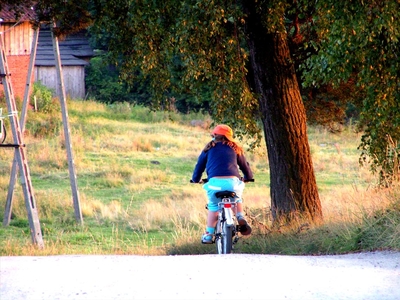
[
  {"x": 219, "y": 237},
  {"x": 223, "y": 239},
  {"x": 227, "y": 240}
]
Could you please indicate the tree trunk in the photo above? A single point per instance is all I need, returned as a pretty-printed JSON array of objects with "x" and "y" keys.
[{"x": 294, "y": 190}]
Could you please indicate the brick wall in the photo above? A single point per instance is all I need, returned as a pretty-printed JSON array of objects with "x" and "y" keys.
[{"x": 18, "y": 66}]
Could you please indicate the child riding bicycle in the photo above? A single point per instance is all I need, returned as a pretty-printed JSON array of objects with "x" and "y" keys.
[{"x": 222, "y": 158}]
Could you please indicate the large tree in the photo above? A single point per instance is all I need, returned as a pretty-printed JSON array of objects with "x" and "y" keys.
[{"x": 241, "y": 51}]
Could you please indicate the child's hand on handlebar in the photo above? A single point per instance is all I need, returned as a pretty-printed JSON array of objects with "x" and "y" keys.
[
  {"x": 247, "y": 180},
  {"x": 204, "y": 180}
]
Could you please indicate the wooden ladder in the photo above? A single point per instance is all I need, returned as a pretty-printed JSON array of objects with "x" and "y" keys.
[{"x": 20, "y": 154}]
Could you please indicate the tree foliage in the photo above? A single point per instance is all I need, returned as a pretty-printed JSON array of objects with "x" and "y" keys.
[
  {"x": 103, "y": 84},
  {"x": 183, "y": 46},
  {"x": 359, "y": 40}
]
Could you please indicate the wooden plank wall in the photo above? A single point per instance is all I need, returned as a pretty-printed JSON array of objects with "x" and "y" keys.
[
  {"x": 17, "y": 38},
  {"x": 74, "y": 80}
]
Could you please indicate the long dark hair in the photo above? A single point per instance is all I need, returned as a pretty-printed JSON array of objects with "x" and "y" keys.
[{"x": 222, "y": 139}]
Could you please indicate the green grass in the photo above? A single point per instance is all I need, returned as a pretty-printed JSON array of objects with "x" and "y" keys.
[{"x": 133, "y": 169}]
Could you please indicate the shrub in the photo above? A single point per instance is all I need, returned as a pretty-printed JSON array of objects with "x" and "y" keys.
[
  {"x": 42, "y": 98},
  {"x": 45, "y": 121}
]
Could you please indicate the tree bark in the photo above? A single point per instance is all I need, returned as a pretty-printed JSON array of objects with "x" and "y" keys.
[{"x": 294, "y": 190}]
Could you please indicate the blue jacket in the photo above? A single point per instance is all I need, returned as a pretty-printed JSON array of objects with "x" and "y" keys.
[{"x": 221, "y": 160}]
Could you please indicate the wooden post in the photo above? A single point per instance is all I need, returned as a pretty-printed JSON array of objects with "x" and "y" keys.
[
  {"x": 13, "y": 177},
  {"x": 20, "y": 155},
  {"x": 68, "y": 143}
]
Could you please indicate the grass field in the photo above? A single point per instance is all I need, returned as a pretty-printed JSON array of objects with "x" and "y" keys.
[{"x": 133, "y": 168}]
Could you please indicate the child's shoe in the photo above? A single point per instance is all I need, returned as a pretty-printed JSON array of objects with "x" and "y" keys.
[
  {"x": 207, "y": 238},
  {"x": 244, "y": 227}
]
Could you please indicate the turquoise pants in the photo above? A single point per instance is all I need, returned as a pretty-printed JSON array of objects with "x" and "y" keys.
[{"x": 215, "y": 185}]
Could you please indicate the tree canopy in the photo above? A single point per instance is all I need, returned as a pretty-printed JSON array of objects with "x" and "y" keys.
[{"x": 359, "y": 41}]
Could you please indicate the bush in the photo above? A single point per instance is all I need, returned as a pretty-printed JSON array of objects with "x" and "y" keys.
[
  {"x": 42, "y": 98},
  {"x": 103, "y": 83},
  {"x": 45, "y": 120}
]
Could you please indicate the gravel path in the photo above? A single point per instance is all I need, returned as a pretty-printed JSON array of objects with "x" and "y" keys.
[{"x": 374, "y": 275}]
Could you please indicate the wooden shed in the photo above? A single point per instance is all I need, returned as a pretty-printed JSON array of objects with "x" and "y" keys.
[
  {"x": 75, "y": 53},
  {"x": 17, "y": 36}
]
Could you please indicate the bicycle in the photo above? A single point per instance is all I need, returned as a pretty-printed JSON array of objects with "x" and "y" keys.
[{"x": 227, "y": 228}]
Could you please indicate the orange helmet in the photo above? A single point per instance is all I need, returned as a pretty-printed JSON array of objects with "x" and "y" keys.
[{"x": 224, "y": 130}]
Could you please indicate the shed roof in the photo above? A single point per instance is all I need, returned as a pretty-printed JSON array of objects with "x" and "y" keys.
[
  {"x": 22, "y": 13},
  {"x": 73, "y": 49}
]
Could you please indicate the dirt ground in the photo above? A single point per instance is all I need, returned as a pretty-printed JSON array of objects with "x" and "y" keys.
[{"x": 374, "y": 275}]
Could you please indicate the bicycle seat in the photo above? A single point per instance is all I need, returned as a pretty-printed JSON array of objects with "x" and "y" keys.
[{"x": 224, "y": 194}]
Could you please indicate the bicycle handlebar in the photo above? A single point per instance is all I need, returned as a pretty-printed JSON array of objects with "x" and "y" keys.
[
  {"x": 249, "y": 180},
  {"x": 205, "y": 180}
]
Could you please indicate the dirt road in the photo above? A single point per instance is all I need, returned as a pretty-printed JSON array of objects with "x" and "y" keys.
[{"x": 236, "y": 276}]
